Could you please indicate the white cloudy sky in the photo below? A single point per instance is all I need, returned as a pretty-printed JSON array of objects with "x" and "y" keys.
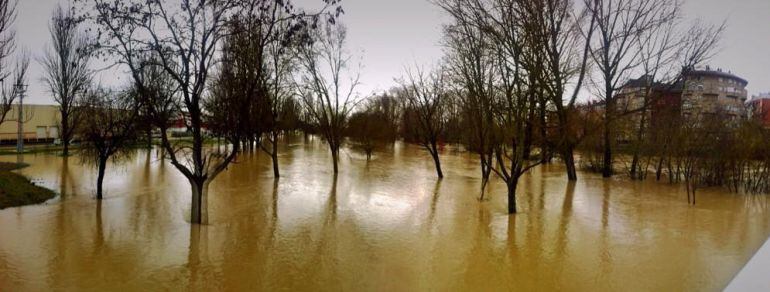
[{"x": 393, "y": 34}]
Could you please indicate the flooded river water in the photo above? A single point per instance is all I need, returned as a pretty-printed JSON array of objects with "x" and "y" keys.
[{"x": 385, "y": 225}]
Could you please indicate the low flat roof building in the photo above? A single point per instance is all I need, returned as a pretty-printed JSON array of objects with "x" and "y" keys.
[{"x": 41, "y": 124}]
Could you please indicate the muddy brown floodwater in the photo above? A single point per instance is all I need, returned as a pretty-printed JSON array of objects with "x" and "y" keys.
[{"x": 386, "y": 225}]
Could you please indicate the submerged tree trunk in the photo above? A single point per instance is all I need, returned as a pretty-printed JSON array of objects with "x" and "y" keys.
[
  {"x": 149, "y": 138},
  {"x": 528, "y": 138},
  {"x": 569, "y": 162},
  {"x": 546, "y": 153},
  {"x": 335, "y": 157},
  {"x": 198, "y": 213},
  {"x": 100, "y": 178},
  {"x": 609, "y": 110},
  {"x": 512, "y": 184},
  {"x": 634, "y": 166},
  {"x": 659, "y": 169},
  {"x": 436, "y": 161},
  {"x": 607, "y": 163},
  {"x": 65, "y": 134},
  {"x": 274, "y": 155},
  {"x": 636, "y": 171},
  {"x": 486, "y": 171}
]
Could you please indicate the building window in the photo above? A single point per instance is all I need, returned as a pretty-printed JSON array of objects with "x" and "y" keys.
[{"x": 41, "y": 133}]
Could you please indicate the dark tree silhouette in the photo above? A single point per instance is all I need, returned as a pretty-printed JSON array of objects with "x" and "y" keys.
[
  {"x": 7, "y": 47},
  {"x": 425, "y": 96},
  {"x": 108, "y": 128},
  {"x": 329, "y": 99}
]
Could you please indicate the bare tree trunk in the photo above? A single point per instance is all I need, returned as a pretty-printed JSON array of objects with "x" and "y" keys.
[
  {"x": 198, "y": 213},
  {"x": 65, "y": 139},
  {"x": 636, "y": 171},
  {"x": 528, "y": 137},
  {"x": 335, "y": 157},
  {"x": 512, "y": 184},
  {"x": 569, "y": 162},
  {"x": 607, "y": 163},
  {"x": 434, "y": 153},
  {"x": 634, "y": 165},
  {"x": 484, "y": 177},
  {"x": 659, "y": 169},
  {"x": 100, "y": 177},
  {"x": 274, "y": 155},
  {"x": 545, "y": 149},
  {"x": 566, "y": 146}
]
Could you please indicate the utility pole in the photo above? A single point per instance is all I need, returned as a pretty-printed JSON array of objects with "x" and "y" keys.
[{"x": 20, "y": 90}]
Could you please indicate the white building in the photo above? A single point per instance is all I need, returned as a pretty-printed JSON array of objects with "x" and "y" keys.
[{"x": 41, "y": 124}]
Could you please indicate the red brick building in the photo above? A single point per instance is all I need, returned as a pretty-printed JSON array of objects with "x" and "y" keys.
[{"x": 759, "y": 108}]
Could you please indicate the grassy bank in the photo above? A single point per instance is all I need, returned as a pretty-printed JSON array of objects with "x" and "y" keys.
[{"x": 16, "y": 190}]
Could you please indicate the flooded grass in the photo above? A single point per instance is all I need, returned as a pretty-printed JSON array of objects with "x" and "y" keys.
[{"x": 17, "y": 190}]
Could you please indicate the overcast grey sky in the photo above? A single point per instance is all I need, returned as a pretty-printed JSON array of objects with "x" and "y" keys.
[{"x": 389, "y": 35}]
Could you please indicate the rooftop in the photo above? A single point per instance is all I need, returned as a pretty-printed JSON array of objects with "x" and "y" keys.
[
  {"x": 707, "y": 71},
  {"x": 763, "y": 95}
]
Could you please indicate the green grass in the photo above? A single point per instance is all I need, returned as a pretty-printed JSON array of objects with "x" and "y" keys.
[{"x": 16, "y": 190}]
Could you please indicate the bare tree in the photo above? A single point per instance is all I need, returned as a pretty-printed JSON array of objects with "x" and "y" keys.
[
  {"x": 7, "y": 47},
  {"x": 108, "y": 128},
  {"x": 500, "y": 74},
  {"x": 159, "y": 98},
  {"x": 552, "y": 31},
  {"x": 471, "y": 60},
  {"x": 668, "y": 53},
  {"x": 184, "y": 37},
  {"x": 265, "y": 34},
  {"x": 658, "y": 50},
  {"x": 425, "y": 96},
  {"x": 11, "y": 90},
  {"x": 614, "y": 50},
  {"x": 329, "y": 99},
  {"x": 374, "y": 125},
  {"x": 67, "y": 74}
]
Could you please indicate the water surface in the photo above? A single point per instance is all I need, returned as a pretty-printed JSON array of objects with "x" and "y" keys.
[{"x": 385, "y": 225}]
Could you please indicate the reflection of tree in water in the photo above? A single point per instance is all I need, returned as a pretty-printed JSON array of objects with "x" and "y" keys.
[
  {"x": 197, "y": 256},
  {"x": 65, "y": 178},
  {"x": 479, "y": 246},
  {"x": 606, "y": 252},
  {"x": 564, "y": 219},
  {"x": 323, "y": 250},
  {"x": 331, "y": 208},
  {"x": 433, "y": 202},
  {"x": 99, "y": 238}
]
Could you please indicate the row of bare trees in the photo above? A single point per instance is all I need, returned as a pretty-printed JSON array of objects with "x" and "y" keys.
[
  {"x": 225, "y": 69},
  {"x": 511, "y": 77},
  {"x": 247, "y": 71},
  {"x": 514, "y": 70}
]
